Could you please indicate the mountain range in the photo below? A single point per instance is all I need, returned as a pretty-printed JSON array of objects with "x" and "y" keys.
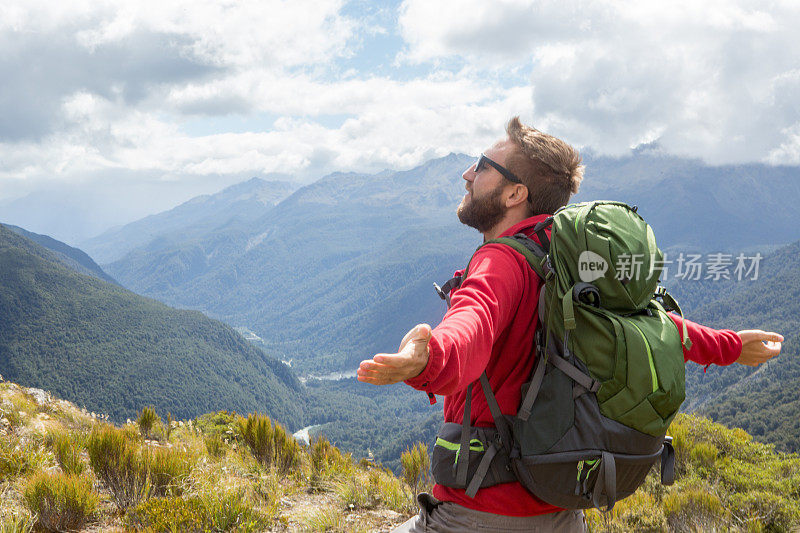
[
  {"x": 327, "y": 275},
  {"x": 343, "y": 267},
  {"x": 240, "y": 203}
]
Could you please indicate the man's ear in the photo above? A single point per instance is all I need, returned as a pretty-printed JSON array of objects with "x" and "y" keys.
[{"x": 519, "y": 194}]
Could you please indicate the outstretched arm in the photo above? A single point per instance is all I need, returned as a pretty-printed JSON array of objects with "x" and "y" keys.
[
  {"x": 458, "y": 350},
  {"x": 724, "y": 347}
]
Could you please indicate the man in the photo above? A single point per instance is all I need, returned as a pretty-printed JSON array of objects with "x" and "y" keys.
[{"x": 516, "y": 183}]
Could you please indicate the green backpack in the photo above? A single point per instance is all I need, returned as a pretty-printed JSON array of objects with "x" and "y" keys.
[{"x": 608, "y": 377}]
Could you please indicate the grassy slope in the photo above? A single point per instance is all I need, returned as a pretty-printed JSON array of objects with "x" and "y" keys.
[{"x": 724, "y": 480}]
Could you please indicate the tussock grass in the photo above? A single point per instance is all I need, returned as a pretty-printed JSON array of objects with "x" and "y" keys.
[
  {"x": 120, "y": 464},
  {"x": 61, "y": 502},
  {"x": 16, "y": 521},
  {"x": 147, "y": 420},
  {"x": 20, "y": 456},
  {"x": 169, "y": 469},
  {"x": 326, "y": 518},
  {"x": 67, "y": 449},
  {"x": 215, "y": 446},
  {"x": 416, "y": 465},
  {"x": 327, "y": 464},
  {"x": 270, "y": 444},
  {"x": 219, "y": 472},
  {"x": 225, "y": 472},
  {"x": 228, "y": 511}
]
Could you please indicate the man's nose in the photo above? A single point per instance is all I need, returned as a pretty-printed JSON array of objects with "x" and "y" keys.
[{"x": 469, "y": 174}]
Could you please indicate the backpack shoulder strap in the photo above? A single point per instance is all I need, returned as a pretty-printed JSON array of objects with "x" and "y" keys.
[{"x": 532, "y": 251}]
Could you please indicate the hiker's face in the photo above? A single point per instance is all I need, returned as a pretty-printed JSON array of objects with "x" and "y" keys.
[{"x": 483, "y": 206}]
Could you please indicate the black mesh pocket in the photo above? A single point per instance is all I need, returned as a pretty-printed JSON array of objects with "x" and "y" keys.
[
  {"x": 447, "y": 449},
  {"x": 570, "y": 479}
]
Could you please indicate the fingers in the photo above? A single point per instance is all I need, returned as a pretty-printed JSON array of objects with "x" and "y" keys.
[
  {"x": 767, "y": 336},
  {"x": 382, "y": 369},
  {"x": 750, "y": 335},
  {"x": 773, "y": 348}
]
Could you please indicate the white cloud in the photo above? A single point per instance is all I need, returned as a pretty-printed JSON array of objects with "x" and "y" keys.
[
  {"x": 101, "y": 87},
  {"x": 710, "y": 79}
]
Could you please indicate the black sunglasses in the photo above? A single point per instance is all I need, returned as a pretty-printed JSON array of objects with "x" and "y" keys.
[{"x": 483, "y": 161}]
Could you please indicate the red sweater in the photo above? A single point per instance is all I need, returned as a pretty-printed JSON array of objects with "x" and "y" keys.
[{"x": 490, "y": 326}]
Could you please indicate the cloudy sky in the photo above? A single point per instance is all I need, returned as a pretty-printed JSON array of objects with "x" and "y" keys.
[{"x": 195, "y": 95}]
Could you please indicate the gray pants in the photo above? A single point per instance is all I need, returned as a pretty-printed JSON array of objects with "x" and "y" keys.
[{"x": 449, "y": 517}]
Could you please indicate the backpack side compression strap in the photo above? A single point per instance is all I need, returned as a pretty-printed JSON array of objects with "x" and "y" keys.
[{"x": 503, "y": 437}]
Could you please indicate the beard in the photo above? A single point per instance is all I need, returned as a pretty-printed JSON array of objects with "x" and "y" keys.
[{"x": 482, "y": 213}]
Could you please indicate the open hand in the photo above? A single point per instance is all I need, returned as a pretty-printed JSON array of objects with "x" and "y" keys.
[
  {"x": 409, "y": 362},
  {"x": 754, "y": 349}
]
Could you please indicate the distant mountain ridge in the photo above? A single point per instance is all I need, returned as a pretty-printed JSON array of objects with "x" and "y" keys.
[
  {"x": 241, "y": 202},
  {"x": 74, "y": 258},
  {"x": 115, "y": 352}
]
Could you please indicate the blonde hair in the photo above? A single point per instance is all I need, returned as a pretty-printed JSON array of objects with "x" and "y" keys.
[{"x": 550, "y": 168}]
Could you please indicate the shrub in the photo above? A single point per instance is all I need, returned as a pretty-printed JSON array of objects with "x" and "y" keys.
[
  {"x": 168, "y": 469},
  {"x": 61, "y": 502},
  {"x": 121, "y": 465},
  {"x": 67, "y": 452},
  {"x": 168, "y": 514},
  {"x": 146, "y": 420},
  {"x": 270, "y": 445},
  {"x": 257, "y": 432},
  {"x": 214, "y": 445},
  {"x": 694, "y": 509},
  {"x": 761, "y": 510},
  {"x": 705, "y": 454},
  {"x": 416, "y": 467},
  {"x": 218, "y": 423},
  {"x": 639, "y": 512}
]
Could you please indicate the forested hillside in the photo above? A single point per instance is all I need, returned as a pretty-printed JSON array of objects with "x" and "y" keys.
[
  {"x": 72, "y": 257},
  {"x": 763, "y": 401},
  {"x": 114, "y": 352}
]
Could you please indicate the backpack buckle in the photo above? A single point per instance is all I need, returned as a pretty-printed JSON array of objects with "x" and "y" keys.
[
  {"x": 547, "y": 266},
  {"x": 439, "y": 291}
]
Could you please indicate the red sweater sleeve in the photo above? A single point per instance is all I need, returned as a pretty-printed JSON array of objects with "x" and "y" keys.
[
  {"x": 709, "y": 346},
  {"x": 484, "y": 305}
]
